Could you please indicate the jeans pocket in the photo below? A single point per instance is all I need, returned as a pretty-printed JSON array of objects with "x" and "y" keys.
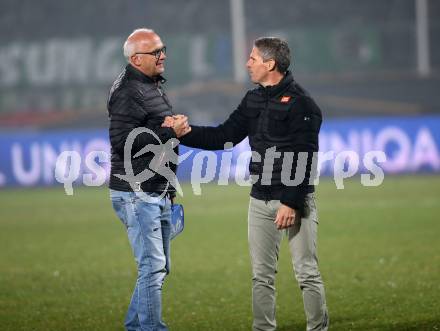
[
  {"x": 148, "y": 197},
  {"x": 311, "y": 207},
  {"x": 118, "y": 204}
]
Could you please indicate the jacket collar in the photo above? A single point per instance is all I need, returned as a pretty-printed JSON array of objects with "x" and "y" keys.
[
  {"x": 135, "y": 74},
  {"x": 280, "y": 87}
]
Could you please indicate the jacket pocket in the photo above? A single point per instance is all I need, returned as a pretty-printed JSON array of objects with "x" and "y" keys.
[
  {"x": 278, "y": 123},
  {"x": 252, "y": 117},
  {"x": 251, "y": 112}
]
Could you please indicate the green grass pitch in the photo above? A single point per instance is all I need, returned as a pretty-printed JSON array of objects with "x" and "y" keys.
[{"x": 65, "y": 262}]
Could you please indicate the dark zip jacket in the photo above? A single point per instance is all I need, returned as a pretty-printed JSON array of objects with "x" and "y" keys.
[
  {"x": 281, "y": 118},
  {"x": 137, "y": 101}
]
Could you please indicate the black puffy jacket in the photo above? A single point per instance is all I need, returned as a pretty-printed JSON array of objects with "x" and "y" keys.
[
  {"x": 283, "y": 116},
  {"x": 137, "y": 101}
]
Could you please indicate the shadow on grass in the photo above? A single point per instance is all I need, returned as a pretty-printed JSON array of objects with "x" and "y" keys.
[
  {"x": 292, "y": 327},
  {"x": 431, "y": 324},
  {"x": 345, "y": 324},
  {"x": 425, "y": 325}
]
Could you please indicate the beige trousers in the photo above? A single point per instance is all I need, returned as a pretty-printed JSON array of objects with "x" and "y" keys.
[{"x": 264, "y": 244}]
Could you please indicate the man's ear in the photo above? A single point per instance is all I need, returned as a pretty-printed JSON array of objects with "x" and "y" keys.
[
  {"x": 271, "y": 64},
  {"x": 135, "y": 60}
]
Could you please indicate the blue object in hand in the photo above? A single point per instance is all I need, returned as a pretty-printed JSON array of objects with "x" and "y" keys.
[{"x": 177, "y": 219}]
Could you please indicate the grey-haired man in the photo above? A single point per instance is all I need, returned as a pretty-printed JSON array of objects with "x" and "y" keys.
[
  {"x": 282, "y": 122},
  {"x": 137, "y": 103}
]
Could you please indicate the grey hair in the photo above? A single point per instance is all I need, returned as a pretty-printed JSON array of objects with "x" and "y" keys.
[
  {"x": 276, "y": 49},
  {"x": 129, "y": 46}
]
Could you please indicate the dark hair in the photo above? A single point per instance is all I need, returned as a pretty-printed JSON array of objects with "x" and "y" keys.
[{"x": 274, "y": 48}]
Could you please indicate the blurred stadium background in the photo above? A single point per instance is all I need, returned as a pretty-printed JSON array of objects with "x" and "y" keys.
[
  {"x": 372, "y": 66},
  {"x": 58, "y": 59},
  {"x": 360, "y": 60}
]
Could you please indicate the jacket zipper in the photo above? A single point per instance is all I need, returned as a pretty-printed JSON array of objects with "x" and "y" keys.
[
  {"x": 264, "y": 123},
  {"x": 163, "y": 98},
  {"x": 264, "y": 113}
]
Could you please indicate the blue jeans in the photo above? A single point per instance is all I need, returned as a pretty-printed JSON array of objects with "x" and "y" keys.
[{"x": 148, "y": 225}]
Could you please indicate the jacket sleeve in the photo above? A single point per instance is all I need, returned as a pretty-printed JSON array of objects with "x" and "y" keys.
[
  {"x": 305, "y": 125},
  {"x": 233, "y": 130},
  {"x": 125, "y": 115}
]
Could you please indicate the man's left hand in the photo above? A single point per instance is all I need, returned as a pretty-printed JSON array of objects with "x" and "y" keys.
[
  {"x": 285, "y": 217},
  {"x": 168, "y": 122}
]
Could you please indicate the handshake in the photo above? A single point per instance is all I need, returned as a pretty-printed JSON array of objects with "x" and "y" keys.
[{"x": 179, "y": 123}]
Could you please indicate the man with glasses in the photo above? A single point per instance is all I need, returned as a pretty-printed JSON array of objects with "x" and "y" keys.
[
  {"x": 137, "y": 102},
  {"x": 282, "y": 122}
]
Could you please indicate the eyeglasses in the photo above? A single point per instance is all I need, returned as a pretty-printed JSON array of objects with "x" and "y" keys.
[{"x": 156, "y": 53}]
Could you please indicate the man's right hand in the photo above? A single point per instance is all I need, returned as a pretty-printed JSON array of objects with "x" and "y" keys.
[{"x": 180, "y": 125}]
